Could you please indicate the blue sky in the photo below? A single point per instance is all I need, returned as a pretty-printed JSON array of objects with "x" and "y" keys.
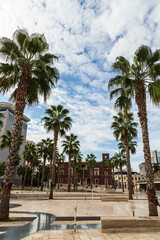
[{"x": 87, "y": 36}]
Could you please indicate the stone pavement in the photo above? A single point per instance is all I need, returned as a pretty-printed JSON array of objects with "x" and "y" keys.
[
  {"x": 91, "y": 234},
  {"x": 63, "y": 207}
]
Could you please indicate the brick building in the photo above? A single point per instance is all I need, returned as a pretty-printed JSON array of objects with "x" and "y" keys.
[{"x": 99, "y": 176}]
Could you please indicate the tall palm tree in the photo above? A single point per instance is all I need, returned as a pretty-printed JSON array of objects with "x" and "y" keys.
[
  {"x": 70, "y": 144},
  {"x": 60, "y": 158},
  {"x": 45, "y": 146},
  {"x": 91, "y": 163},
  {"x": 120, "y": 161},
  {"x": 124, "y": 129},
  {"x": 59, "y": 122},
  {"x": 26, "y": 68},
  {"x": 28, "y": 155},
  {"x": 141, "y": 78}
]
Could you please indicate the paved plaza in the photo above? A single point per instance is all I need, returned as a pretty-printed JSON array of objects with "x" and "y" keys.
[{"x": 62, "y": 207}]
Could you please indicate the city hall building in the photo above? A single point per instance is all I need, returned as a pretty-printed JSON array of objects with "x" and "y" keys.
[{"x": 100, "y": 176}]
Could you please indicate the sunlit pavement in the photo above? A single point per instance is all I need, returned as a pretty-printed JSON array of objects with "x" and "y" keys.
[{"x": 65, "y": 207}]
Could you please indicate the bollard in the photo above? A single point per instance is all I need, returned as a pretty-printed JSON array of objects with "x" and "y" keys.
[
  {"x": 133, "y": 214},
  {"x": 75, "y": 214}
]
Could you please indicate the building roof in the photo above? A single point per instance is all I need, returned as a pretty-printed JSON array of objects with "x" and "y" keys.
[{"x": 8, "y": 106}]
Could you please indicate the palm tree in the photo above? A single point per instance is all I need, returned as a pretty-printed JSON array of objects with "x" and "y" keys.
[
  {"x": 6, "y": 139},
  {"x": 70, "y": 144},
  {"x": 91, "y": 163},
  {"x": 28, "y": 155},
  {"x": 59, "y": 122},
  {"x": 20, "y": 172},
  {"x": 120, "y": 161},
  {"x": 106, "y": 164},
  {"x": 45, "y": 146},
  {"x": 26, "y": 68},
  {"x": 124, "y": 129},
  {"x": 5, "y": 142},
  {"x": 60, "y": 158},
  {"x": 34, "y": 163},
  {"x": 141, "y": 78},
  {"x": 77, "y": 158}
]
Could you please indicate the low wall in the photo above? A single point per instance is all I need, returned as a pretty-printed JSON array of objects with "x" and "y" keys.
[
  {"x": 129, "y": 224},
  {"x": 114, "y": 198}
]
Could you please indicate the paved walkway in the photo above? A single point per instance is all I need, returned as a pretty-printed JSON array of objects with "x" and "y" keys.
[
  {"x": 92, "y": 234},
  {"x": 63, "y": 207}
]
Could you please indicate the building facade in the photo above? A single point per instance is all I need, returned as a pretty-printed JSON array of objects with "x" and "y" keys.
[
  {"x": 8, "y": 111},
  {"x": 155, "y": 157},
  {"x": 142, "y": 171},
  {"x": 100, "y": 177},
  {"x": 135, "y": 178}
]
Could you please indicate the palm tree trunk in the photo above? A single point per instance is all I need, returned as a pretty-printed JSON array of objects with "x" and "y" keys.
[
  {"x": 105, "y": 179},
  {"x": 74, "y": 175},
  {"x": 9, "y": 171},
  {"x": 142, "y": 113},
  {"x": 25, "y": 176},
  {"x": 122, "y": 179},
  {"x": 32, "y": 177},
  {"x": 58, "y": 175},
  {"x": 91, "y": 177},
  {"x": 53, "y": 165},
  {"x": 38, "y": 179},
  {"x": 43, "y": 173},
  {"x": 69, "y": 173},
  {"x": 129, "y": 174}
]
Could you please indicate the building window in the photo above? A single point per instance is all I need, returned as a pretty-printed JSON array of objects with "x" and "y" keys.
[
  {"x": 71, "y": 171},
  {"x": 96, "y": 171},
  {"x": 61, "y": 180},
  {"x": 62, "y": 166},
  {"x": 96, "y": 181},
  {"x": 61, "y": 172}
]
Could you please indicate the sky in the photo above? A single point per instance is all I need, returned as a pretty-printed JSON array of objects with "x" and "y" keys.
[{"x": 87, "y": 36}]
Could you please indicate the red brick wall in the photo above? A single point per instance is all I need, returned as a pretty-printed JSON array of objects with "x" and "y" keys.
[{"x": 100, "y": 178}]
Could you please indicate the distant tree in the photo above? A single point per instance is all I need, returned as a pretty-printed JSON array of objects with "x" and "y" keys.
[
  {"x": 21, "y": 171},
  {"x": 91, "y": 163},
  {"x": 60, "y": 158},
  {"x": 34, "y": 162},
  {"x": 28, "y": 155},
  {"x": 70, "y": 144},
  {"x": 119, "y": 160},
  {"x": 77, "y": 158},
  {"x": 45, "y": 146}
]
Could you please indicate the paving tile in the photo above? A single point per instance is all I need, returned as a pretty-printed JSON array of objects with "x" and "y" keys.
[
  {"x": 125, "y": 236},
  {"x": 114, "y": 236}
]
